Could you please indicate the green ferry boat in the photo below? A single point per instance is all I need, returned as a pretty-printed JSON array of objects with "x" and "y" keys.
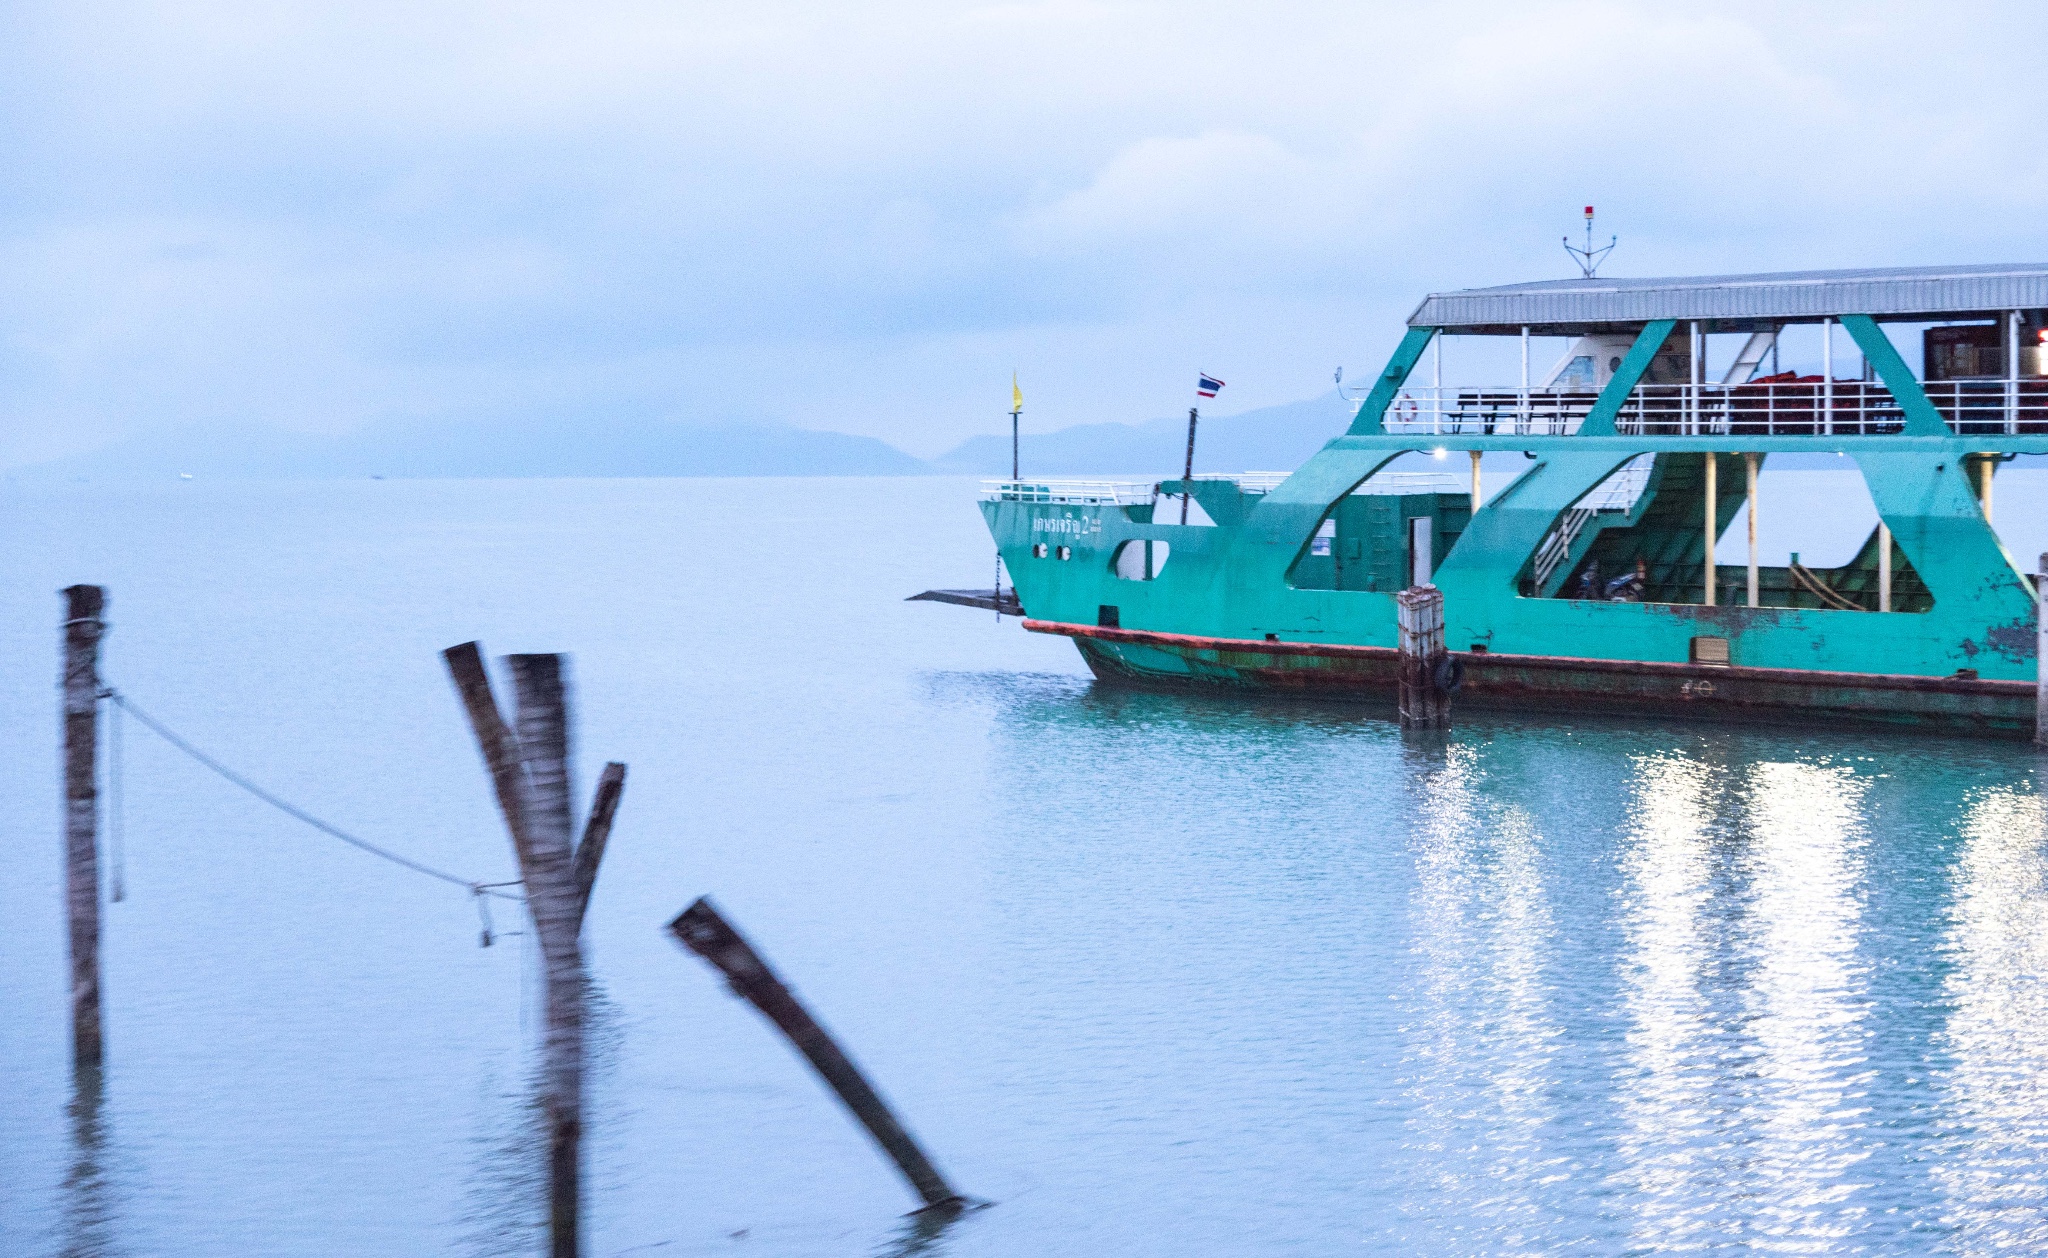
[{"x": 1596, "y": 581}]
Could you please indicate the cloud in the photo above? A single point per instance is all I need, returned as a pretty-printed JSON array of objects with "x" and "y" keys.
[{"x": 324, "y": 215}]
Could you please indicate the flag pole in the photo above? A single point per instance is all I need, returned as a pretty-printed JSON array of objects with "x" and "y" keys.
[
  {"x": 1187, "y": 479},
  {"x": 1016, "y": 409}
]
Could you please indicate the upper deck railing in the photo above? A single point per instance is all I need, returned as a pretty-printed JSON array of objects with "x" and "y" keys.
[
  {"x": 1378, "y": 483},
  {"x": 1249, "y": 482},
  {"x": 1799, "y": 408},
  {"x": 1083, "y": 493}
]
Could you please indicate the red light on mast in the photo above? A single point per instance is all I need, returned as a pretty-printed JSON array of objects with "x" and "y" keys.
[{"x": 1589, "y": 213}]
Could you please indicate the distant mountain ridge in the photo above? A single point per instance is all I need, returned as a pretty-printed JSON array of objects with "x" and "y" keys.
[
  {"x": 1271, "y": 438},
  {"x": 594, "y": 447}
]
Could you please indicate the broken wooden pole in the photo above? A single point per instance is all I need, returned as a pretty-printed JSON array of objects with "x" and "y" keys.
[
  {"x": 83, "y": 628},
  {"x": 529, "y": 770},
  {"x": 597, "y": 831},
  {"x": 703, "y": 931},
  {"x": 1425, "y": 697}
]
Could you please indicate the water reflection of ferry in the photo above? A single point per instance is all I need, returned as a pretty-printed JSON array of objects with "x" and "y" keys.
[{"x": 1593, "y": 580}]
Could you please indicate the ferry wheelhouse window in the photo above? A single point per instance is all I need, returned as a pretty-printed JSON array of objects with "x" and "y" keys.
[{"x": 1578, "y": 373}]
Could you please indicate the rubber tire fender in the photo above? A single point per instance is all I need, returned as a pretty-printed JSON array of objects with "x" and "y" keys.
[{"x": 1450, "y": 674}]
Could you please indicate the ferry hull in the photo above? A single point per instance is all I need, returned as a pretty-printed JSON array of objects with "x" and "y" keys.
[{"x": 1562, "y": 684}]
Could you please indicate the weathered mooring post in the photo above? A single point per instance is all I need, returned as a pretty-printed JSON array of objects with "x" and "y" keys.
[
  {"x": 529, "y": 769},
  {"x": 83, "y": 628},
  {"x": 2041, "y": 655},
  {"x": 1424, "y": 703},
  {"x": 703, "y": 931}
]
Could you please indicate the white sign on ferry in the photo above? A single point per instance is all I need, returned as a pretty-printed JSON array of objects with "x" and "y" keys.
[{"x": 1068, "y": 525}]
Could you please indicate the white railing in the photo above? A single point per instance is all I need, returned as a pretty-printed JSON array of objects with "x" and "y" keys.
[
  {"x": 1081, "y": 493},
  {"x": 1794, "y": 408},
  {"x": 1991, "y": 406},
  {"x": 1414, "y": 483},
  {"x": 1487, "y": 410},
  {"x": 1618, "y": 492},
  {"x": 1249, "y": 482},
  {"x": 1810, "y": 406},
  {"x": 1557, "y": 545},
  {"x": 1790, "y": 408}
]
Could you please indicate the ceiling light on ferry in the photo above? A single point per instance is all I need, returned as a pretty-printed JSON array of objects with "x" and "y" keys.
[{"x": 1438, "y": 453}]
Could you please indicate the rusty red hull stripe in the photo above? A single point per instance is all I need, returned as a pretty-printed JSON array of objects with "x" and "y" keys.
[{"x": 1183, "y": 642}]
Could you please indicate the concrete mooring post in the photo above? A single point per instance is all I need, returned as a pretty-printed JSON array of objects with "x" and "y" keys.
[
  {"x": 83, "y": 629},
  {"x": 1425, "y": 702}
]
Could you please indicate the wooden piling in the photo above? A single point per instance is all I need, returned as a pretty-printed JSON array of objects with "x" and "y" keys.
[
  {"x": 2041, "y": 655},
  {"x": 1424, "y": 703},
  {"x": 529, "y": 770},
  {"x": 83, "y": 629},
  {"x": 541, "y": 723},
  {"x": 702, "y": 930}
]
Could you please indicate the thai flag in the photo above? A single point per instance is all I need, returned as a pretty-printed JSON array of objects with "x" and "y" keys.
[{"x": 1208, "y": 386}]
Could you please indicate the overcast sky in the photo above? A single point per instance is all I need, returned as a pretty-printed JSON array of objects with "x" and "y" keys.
[{"x": 317, "y": 215}]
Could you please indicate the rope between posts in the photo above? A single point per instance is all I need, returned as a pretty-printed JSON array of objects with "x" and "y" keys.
[{"x": 477, "y": 889}]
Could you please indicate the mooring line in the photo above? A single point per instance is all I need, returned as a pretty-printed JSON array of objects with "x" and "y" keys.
[{"x": 477, "y": 889}]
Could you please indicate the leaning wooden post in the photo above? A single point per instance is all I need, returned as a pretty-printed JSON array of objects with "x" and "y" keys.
[
  {"x": 2041, "y": 655},
  {"x": 703, "y": 931},
  {"x": 530, "y": 772},
  {"x": 597, "y": 831},
  {"x": 82, "y": 631},
  {"x": 1424, "y": 704}
]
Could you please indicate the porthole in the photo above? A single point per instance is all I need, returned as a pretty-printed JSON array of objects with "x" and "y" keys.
[
  {"x": 1038, "y": 550},
  {"x": 1066, "y": 552}
]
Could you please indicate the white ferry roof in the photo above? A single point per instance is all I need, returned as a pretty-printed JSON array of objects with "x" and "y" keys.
[{"x": 1738, "y": 303}]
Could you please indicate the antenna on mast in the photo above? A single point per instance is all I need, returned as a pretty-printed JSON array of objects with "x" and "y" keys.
[{"x": 1589, "y": 258}]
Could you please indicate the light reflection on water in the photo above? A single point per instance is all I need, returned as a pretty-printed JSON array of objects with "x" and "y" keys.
[
  {"x": 1996, "y": 1033},
  {"x": 1482, "y": 928},
  {"x": 1802, "y": 846},
  {"x": 1668, "y": 1111},
  {"x": 1161, "y": 974}
]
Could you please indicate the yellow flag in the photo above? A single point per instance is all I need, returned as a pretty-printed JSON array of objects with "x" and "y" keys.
[{"x": 1016, "y": 394}]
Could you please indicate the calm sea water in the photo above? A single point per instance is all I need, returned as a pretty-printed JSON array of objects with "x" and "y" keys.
[{"x": 1159, "y": 975}]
